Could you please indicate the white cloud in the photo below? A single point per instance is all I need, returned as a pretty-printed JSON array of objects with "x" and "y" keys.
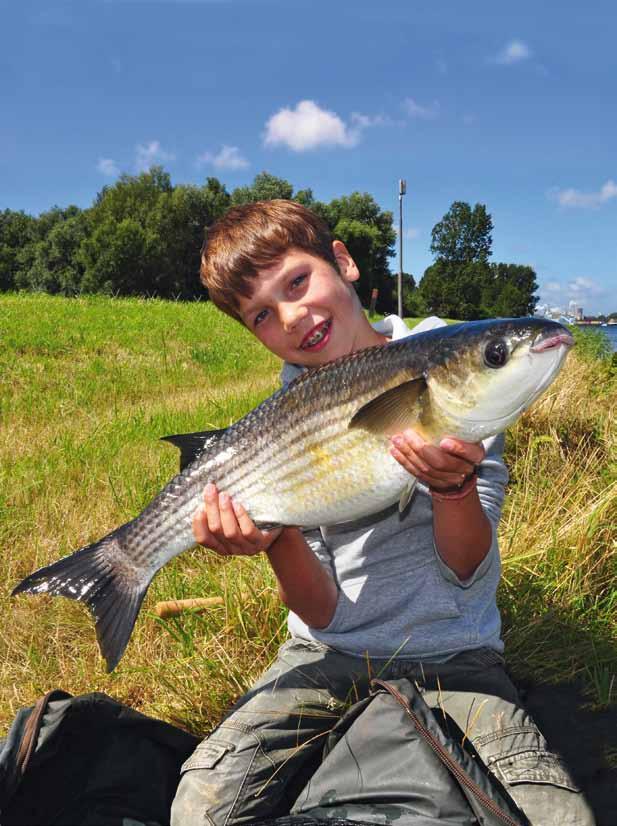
[
  {"x": 584, "y": 286},
  {"x": 308, "y": 126},
  {"x": 229, "y": 157},
  {"x": 108, "y": 167},
  {"x": 552, "y": 287},
  {"x": 367, "y": 121},
  {"x": 513, "y": 52},
  {"x": 590, "y": 200},
  {"x": 416, "y": 110},
  {"x": 149, "y": 154}
]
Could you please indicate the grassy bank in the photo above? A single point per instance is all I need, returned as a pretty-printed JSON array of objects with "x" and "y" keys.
[{"x": 87, "y": 386}]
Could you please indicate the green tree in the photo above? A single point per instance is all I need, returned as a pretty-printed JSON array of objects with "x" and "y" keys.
[
  {"x": 15, "y": 234},
  {"x": 513, "y": 288},
  {"x": 463, "y": 235},
  {"x": 145, "y": 235},
  {"x": 454, "y": 290},
  {"x": 457, "y": 284},
  {"x": 265, "y": 187},
  {"x": 367, "y": 232}
]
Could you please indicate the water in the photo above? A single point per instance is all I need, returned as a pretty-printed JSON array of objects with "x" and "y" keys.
[{"x": 610, "y": 332}]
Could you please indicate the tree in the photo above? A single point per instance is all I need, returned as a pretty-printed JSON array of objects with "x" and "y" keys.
[
  {"x": 454, "y": 291},
  {"x": 265, "y": 187},
  {"x": 145, "y": 235},
  {"x": 456, "y": 284},
  {"x": 367, "y": 232},
  {"x": 15, "y": 235},
  {"x": 514, "y": 287},
  {"x": 463, "y": 234}
]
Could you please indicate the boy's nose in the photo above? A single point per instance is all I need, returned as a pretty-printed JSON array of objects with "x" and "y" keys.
[{"x": 291, "y": 314}]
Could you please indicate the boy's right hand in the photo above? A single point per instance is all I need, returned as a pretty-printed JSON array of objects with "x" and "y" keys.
[{"x": 225, "y": 526}]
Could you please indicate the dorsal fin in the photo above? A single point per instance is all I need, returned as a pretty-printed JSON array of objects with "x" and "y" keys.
[
  {"x": 193, "y": 445},
  {"x": 392, "y": 411}
]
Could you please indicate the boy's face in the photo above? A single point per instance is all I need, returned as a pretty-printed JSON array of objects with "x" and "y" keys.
[{"x": 305, "y": 312}]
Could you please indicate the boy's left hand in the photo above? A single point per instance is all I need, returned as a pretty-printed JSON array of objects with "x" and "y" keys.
[{"x": 445, "y": 466}]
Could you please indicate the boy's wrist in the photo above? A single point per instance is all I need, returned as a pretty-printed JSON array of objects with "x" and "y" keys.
[{"x": 456, "y": 492}]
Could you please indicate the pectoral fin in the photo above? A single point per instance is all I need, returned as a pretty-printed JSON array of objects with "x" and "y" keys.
[
  {"x": 192, "y": 445},
  {"x": 407, "y": 494},
  {"x": 392, "y": 411}
]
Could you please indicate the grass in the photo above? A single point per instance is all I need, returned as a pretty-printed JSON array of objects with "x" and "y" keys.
[{"x": 87, "y": 387}]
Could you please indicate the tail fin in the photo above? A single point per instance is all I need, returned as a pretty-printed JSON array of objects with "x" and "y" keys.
[{"x": 100, "y": 576}]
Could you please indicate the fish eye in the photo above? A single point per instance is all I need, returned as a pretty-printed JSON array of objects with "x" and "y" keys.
[{"x": 496, "y": 354}]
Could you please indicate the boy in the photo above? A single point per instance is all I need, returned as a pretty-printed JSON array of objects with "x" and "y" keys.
[{"x": 410, "y": 595}]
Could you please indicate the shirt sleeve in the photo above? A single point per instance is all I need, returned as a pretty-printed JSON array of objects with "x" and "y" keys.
[
  {"x": 492, "y": 481},
  {"x": 316, "y": 543}
]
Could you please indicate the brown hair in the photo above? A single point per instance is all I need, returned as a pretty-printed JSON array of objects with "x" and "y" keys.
[{"x": 253, "y": 237}]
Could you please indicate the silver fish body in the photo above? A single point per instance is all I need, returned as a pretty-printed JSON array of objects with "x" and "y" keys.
[{"x": 317, "y": 452}]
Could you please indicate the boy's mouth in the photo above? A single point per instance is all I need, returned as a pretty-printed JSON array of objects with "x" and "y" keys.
[{"x": 317, "y": 338}]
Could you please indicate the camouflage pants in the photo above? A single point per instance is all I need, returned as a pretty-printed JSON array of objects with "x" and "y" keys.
[{"x": 255, "y": 763}]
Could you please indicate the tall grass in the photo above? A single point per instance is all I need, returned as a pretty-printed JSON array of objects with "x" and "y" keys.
[{"x": 87, "y": 387}]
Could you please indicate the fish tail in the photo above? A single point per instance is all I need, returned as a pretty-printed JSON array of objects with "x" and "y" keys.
[{"x": 101, "y": 576}]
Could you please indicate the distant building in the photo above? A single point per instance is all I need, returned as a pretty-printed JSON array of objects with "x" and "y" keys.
[{"x": 579, "y": 314}]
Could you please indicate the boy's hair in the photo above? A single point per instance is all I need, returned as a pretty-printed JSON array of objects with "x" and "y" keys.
[{"x": 253, "y": 237}]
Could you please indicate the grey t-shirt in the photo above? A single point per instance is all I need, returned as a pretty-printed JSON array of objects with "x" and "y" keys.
[{"x": 396, "y": 596}]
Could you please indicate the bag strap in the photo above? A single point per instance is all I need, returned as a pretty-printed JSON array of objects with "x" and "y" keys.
[{"x": 32, "y": 729}]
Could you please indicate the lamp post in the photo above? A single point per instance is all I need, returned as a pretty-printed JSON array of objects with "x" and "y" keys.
[{"x": 402, "y": 189}]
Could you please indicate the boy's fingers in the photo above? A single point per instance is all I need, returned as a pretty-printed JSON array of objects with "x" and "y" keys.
[
  {"x": 473, "y": 452},
  {"x": 211, "y": 507},
  {"x": 247, "y": 527},
  {"x": 229, "y": 523}
]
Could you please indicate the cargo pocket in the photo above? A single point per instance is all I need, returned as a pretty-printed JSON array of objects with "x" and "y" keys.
[
  {"x": 207, "y": 755},
  {"x": 533, "y": 766},
  {"x": 221, "y": 777}
]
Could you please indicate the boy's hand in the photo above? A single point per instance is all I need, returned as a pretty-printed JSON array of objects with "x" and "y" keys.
[
  {"x": 440, "y": 467},
  {"x": 226, "y": 527}
]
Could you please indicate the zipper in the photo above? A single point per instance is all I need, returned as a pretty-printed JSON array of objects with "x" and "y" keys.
[{"x": 443, "y": 754}]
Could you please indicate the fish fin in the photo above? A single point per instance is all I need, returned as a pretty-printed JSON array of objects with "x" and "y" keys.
[
  {"x": 392, "y": 411},
  {"x": 192, "y": 445},
  {"x": 96, "y": 576},
  {"x": 407, "y": 494}
]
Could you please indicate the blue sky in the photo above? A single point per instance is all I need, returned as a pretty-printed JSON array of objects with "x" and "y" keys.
[{"x": 511, "y": 105}]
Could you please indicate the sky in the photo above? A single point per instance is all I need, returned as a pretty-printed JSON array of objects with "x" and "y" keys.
[{"x": 512, "y": 105}]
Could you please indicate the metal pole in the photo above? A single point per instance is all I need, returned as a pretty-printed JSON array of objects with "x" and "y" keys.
[{"x": 402, "y": 189}]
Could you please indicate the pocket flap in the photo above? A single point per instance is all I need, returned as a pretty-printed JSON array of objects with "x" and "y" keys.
[
  {"x": 535, "y": 766},
  {"x": 207, "y": 755}
]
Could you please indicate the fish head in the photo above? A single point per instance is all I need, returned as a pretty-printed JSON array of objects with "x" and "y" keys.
[{"x": 489, "y": 372}]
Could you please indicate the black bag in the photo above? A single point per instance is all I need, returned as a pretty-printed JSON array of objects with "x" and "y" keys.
[
  {"x": 89, "y": 761},
  {"x": 389, "y": 761}
]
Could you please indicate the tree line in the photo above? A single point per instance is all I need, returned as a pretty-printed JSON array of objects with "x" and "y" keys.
[{"x": 142, "y": 236}]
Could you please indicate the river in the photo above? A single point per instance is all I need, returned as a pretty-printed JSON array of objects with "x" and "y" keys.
[{"x": 610, "y": 332}]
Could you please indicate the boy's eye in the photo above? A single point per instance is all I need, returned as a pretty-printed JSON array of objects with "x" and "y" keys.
[
  {"x": 298, "y": 280},
  {"x": 259, "y": 317}
]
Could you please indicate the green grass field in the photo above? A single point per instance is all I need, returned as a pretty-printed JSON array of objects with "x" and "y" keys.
[{"x": 87, "y": 387}]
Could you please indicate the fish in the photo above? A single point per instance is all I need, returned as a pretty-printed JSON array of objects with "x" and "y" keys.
[{"x": 317, "y": 452}]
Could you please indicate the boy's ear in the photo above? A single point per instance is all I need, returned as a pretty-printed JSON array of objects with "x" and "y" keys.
[{"x": 347, "y": 266}]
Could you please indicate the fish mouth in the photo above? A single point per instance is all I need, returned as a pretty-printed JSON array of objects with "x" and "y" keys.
[
  {"x": 317, "y": 337},
  {"x": 549, "y": 342}
]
